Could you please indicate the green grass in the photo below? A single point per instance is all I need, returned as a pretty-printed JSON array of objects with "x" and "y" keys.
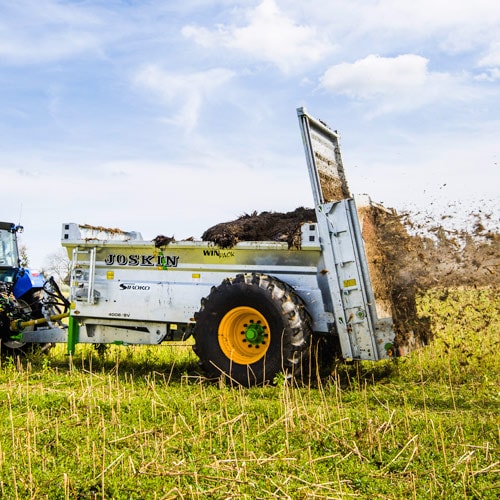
[{"x": 141, "y": 422}]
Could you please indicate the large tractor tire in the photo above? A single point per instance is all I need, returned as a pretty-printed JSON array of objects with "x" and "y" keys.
[{"x": 250, "y": 328}]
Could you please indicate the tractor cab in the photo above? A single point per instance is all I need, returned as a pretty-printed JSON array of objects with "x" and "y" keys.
[
  {"x": 9, "y": 254},
  {"x": 20, "y": 280}
]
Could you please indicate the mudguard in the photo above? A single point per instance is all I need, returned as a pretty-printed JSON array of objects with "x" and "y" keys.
[{"x": 26, "y": 281}]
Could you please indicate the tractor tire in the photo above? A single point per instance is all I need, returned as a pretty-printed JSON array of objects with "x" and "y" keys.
[
  {"x": 34, "y": 298},
  {"x": 31, "y": 300},
  {"x": 250, "y": 328}
]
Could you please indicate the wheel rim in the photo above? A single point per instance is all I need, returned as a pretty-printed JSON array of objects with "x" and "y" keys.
[{"x": 244, "y": 335}]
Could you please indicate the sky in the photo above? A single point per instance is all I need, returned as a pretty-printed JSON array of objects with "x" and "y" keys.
[{"x": 168, "y": 117}]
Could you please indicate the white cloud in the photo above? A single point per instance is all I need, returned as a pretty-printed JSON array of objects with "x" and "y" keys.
[
  {"x": 269, "y": 35},
  {"x": 490, "y": 75},
  {"x": 492, "y": 57},
  {"x": 41, "y": 31},
  {"x": 376, "y": 76},
  {"x": 203, "y": 36},
  {"x": 183, "y": 92},
  {"x": 400, "y": 26},
  {"x": 427, "y": 16},
  {"x": 491, "y": 62},
  {"x": 54, "y": 46},
  {"x": 392, "y": 83}
]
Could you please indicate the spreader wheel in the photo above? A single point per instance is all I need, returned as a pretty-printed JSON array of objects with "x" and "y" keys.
[{"x": 250, "y": 328}]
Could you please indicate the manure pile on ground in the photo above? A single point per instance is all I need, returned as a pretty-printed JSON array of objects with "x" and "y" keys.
[{"x": 404, "y": 258}]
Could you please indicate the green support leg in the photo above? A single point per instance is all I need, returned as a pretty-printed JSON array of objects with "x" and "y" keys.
[{"x": 73, "y": 334}]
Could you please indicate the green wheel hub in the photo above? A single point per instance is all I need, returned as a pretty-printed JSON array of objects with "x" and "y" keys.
[{"x": 255, "y": 333}]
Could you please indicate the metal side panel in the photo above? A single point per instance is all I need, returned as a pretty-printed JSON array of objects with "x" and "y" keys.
[
  {"x": 349, "y": 294},
  {"x": 353, "y": 317},
  {"x": 95, "y": 331},
  {"x": 362, "y": 335},
  {"x": 43, "y": 335}
]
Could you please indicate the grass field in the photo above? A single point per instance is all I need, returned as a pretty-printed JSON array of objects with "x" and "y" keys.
[{"x": 141, "y": 423}]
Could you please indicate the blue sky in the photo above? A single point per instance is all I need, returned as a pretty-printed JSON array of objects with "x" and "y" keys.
[{"x": 167, "y": 117}]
